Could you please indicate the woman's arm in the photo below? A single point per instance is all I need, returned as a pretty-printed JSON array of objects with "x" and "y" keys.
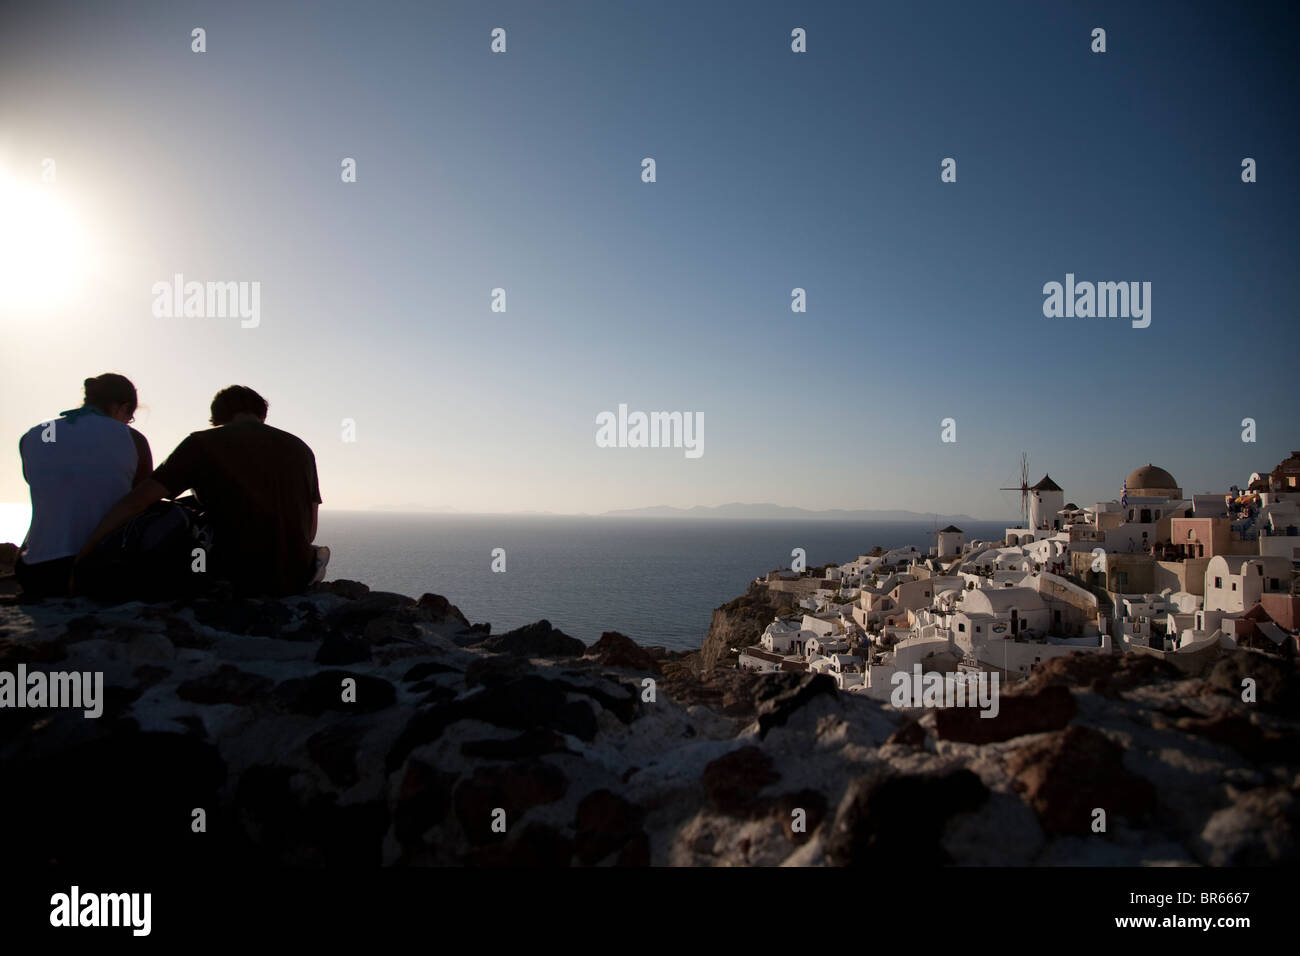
[{"x": 135, "y": 501}]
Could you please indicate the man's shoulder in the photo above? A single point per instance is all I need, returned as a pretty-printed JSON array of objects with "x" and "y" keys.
[
  {"x": 288, "y": 439},
  {"x": 28, "y": 437},
  {"x": 199, "y": 438}
]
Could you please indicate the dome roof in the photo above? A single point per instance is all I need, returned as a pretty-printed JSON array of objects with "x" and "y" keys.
[{"x": 1151, "y": 476}]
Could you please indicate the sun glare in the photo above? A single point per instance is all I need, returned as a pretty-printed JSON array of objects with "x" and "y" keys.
[{"x": 45, "y": 247}]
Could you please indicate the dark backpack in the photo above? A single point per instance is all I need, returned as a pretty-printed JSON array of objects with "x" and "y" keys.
[{"x": 149, "y": 558}]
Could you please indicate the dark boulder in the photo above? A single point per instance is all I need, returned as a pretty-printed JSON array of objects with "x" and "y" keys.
[
  {"x": 732, "y": 782},
  {"x": 910, "y": 734},
  {"x": 780, "y": 696},
  {"x": 15, "y": 652},
  {"x": 1236, "y": 730},
  {"x": 538, "y": 846},
  {"x": 616, "y": 650},
  {"x": 426, "y": 669},
  {"x": 1260, "y": 828},
  {"x": 514, "y": 788},
  {"x": 1106, "y": 674},
  {"x": 423, "y": 800},
  {"x": 605, "y": 824},
  {"x": 1069, "y": 774},
  {"x": 813, "y": 803},
  {"x": 352, "y": 590},
  {"x": 531, "y": 743},
  {"x": 242, "y": 616},
  {"x": 887, "y": 820},
  {"x": 439, "y": 608},
  {"x": 284, "y": 824},
  {"x": 535, "y": 640},
  {"x": 323, "y": 691},
  {"x": 334, "y": 750},
  {"x": 227, "y": 685},
  {"x": 1032, "y": 711},
  {"x": 1277, "y": 682},
  {"x": 524, "y": 703},
  {"x": 341, "y": 648}
]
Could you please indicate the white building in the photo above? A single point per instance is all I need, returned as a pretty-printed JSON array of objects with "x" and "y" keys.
[
  {"x": 1234, "y": 583},
  {"x": 783, "y": 637}
]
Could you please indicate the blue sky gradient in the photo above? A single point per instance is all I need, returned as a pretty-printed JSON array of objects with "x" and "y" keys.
[{"x": 775, "y": 170}]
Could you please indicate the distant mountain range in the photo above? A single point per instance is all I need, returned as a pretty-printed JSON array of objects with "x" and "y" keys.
[
  {"x": 769, "y": 511},
  {"x": 736, "y": 510}
]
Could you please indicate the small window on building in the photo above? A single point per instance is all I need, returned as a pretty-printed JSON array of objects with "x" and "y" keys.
[
  {"x": 1218, "y": 582},
  {"x": 961, "y": 627},
  {"x": 1234, "y": 585}
]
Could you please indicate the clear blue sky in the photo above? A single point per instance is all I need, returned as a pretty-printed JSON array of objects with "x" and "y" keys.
[{"x": 775, "y": 170}]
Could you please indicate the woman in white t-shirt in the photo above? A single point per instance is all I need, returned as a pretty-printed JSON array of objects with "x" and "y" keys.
[{"x": 78, "y": 466}]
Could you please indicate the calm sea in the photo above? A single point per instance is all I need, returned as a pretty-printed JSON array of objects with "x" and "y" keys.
[{"x": 656, "y": 580}]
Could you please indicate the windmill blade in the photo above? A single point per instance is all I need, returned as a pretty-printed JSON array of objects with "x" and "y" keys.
[{"x": 1023, "y": 488}]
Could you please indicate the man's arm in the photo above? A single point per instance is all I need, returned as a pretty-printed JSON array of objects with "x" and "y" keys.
[
  {"x": 144, "y": 459},
  {"x": 314, "y": 486},
  {"x": 131, "y": 504}
]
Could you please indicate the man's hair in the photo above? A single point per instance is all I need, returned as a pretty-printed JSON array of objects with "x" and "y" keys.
[
  {"x": 109, "y": 389},
  {"x": 236, "y": 400}
]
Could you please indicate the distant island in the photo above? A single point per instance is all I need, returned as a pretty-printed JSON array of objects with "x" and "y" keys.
[{"x": 768, "y": 511}]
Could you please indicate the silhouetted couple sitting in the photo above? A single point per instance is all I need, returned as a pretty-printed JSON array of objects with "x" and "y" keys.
[{"x": 100, "y": 524}]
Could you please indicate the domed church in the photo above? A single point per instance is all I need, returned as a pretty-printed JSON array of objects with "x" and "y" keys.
[{"x": 1151, "y": 481}]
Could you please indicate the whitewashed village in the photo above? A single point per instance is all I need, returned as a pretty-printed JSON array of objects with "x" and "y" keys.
[{"x": 1154, "y": 572}]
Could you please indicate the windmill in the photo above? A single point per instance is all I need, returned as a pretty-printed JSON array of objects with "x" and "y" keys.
[{"x": 1023, "y": 489}]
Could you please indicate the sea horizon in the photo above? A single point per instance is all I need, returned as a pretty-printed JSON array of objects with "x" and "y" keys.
[
  {"x": 656, "y": 581},
  {"x": 15, "y": 516}
]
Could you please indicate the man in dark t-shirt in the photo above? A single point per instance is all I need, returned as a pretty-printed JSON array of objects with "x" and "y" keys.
[
  {"x": 260, "y": 490},
  {"x": 258, "y": 486}
]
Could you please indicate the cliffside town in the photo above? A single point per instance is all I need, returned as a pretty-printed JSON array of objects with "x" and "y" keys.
[{"x": 1176, "y": 578}]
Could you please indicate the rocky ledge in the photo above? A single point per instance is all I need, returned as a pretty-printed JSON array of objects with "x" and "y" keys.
[{"x": 348, "y": 726}]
